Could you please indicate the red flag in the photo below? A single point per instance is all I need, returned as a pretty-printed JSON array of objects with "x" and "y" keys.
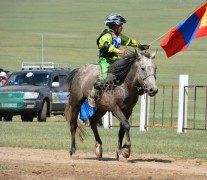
[
  {"x": 202, "y": 28},
  {"x": 180, "y": 36}
]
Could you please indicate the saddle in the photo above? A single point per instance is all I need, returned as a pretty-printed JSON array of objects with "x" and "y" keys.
[{"x": 108, "y": 84}]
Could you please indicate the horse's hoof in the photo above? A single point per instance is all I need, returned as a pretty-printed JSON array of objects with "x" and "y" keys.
[
  {"x": 117, "y": 156},
  {"x": 126, "y": 152},
  {"x": 74, "y": 157},
  {"x": 98, "y": 150},
  {"x": 122, "y": 159},
  {"x": 118, "y": 152},
  {"x": 71, "y": 153}
]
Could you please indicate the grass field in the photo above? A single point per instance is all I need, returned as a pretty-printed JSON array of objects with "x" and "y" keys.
[
  {"x": 55, "y": 135},
  {"x": 70, "y": 29}
]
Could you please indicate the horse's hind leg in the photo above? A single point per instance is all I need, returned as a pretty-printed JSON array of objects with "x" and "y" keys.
[
  {"x": 93, "y": 122},
  {"x": 73, "y": 128}
]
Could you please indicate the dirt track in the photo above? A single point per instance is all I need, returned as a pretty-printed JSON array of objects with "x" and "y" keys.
[{"x": 17, "y": 163}]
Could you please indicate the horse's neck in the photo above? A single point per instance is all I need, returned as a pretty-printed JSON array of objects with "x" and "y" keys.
[{"x": 131, "y": 82}]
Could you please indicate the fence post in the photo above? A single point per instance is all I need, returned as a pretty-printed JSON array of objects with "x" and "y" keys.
[
  {"x": 107, "y": 120},
  {"x": 144, "y": 112},
  {"x": 182, "y": 112}
]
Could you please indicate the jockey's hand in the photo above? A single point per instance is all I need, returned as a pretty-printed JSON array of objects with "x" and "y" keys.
[
  {"x": 122, "y": 51},
  {"x": 143, "y": 47}
]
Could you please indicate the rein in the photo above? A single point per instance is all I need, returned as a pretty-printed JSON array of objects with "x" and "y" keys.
[{"x": 149, "y": 76}]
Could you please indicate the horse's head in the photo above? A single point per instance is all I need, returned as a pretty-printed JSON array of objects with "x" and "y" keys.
[{"x": 146, "y": 72}]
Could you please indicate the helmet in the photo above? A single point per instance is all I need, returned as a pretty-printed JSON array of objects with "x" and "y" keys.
[{"x": 114, "y": 19}]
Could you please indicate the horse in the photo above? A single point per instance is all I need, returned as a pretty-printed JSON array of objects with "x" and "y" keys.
[{"x": 128, "y": 78}]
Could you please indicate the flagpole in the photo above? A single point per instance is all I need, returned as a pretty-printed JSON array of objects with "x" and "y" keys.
[
  {"x": 42, "y": 49},
  {"x": 179, "y": 22}
]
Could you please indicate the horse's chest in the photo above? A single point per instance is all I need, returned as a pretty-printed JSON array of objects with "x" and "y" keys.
[
  {"x": 129, "y": 102},
  {"x": 118, "y": 97}
]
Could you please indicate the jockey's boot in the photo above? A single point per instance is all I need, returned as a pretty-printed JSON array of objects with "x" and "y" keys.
[
  {"x": 91, "y": 98},
  {"x": 97, "y": 87}
]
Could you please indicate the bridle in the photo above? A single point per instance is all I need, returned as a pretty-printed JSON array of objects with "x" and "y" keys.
[
  {"x": 143, "y": 79},
  {"x": 149, "y": 76}
]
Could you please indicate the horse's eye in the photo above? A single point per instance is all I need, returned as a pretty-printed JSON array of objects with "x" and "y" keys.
[{"x": 142, "y": 67}]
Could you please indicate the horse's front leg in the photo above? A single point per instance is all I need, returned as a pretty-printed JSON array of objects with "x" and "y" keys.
[
  {"x": 124, "y": 128},
  {"x": 126, "y": 148},
  {"x": 120, "y": 139},
  {"x": 93, "y": 122}
]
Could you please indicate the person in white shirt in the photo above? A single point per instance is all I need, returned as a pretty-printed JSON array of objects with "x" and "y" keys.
[{"x": 3, "y": 78}]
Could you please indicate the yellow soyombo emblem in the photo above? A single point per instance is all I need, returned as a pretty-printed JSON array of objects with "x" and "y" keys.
[{"x": 204, "y": 20}]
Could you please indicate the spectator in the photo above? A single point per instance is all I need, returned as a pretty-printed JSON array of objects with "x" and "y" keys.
[
  {"x": 2, "y": 81},
  {"x": 3, "y": 78}
]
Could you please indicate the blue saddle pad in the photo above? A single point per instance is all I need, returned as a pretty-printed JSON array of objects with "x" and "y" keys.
[{"x": 86, "y": 111}]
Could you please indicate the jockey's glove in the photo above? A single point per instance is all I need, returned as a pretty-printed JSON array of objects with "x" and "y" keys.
[
  {"x": 133, "y": 43},
  {"x": 143, "y": 47}
]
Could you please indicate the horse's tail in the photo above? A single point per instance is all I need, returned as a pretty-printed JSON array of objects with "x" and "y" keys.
[
  {"x": 68, "y": 113},
  {"x": 68, "y": 108},
  {"x": 81, "y": 132}
]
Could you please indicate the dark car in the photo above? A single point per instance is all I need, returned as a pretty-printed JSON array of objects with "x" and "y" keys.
[{"x": 36, "y": 91}]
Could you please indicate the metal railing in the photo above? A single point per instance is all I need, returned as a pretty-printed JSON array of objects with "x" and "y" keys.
[{"x": 197, "y": 107}]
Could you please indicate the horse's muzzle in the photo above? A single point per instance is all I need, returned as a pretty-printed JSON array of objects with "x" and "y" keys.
[{"x": 151, "y": 91}]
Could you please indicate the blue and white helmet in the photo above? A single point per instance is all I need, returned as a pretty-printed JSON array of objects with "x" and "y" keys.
[{"x": 114, "y": 19}]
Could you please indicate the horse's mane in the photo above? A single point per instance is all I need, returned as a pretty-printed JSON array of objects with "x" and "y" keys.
[{"x": 120, "y": 68}]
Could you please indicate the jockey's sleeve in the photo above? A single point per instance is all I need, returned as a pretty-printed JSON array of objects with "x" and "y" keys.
[
  {"x": 128, "y": 42},
  {"x": 107, "y": 38}
]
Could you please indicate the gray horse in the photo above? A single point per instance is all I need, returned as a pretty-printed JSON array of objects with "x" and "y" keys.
[{"x": 128, "y": 78}]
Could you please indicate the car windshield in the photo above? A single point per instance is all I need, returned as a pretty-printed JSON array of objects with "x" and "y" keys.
[{"x": 29, "y": 78}]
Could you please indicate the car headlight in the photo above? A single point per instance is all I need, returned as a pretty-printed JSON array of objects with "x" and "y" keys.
[{"x": 31, "y": 95}]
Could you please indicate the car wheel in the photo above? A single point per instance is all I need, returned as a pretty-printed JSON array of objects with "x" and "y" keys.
[
  {"x": 26, "y": 118},
  {"x": 8, "y": 118},
  {"x": 43, "y": 113}
]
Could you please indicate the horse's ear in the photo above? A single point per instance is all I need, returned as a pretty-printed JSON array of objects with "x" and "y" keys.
[
  {"x": 138, "y": 55},
  {"x": 153, "y": 55}
]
